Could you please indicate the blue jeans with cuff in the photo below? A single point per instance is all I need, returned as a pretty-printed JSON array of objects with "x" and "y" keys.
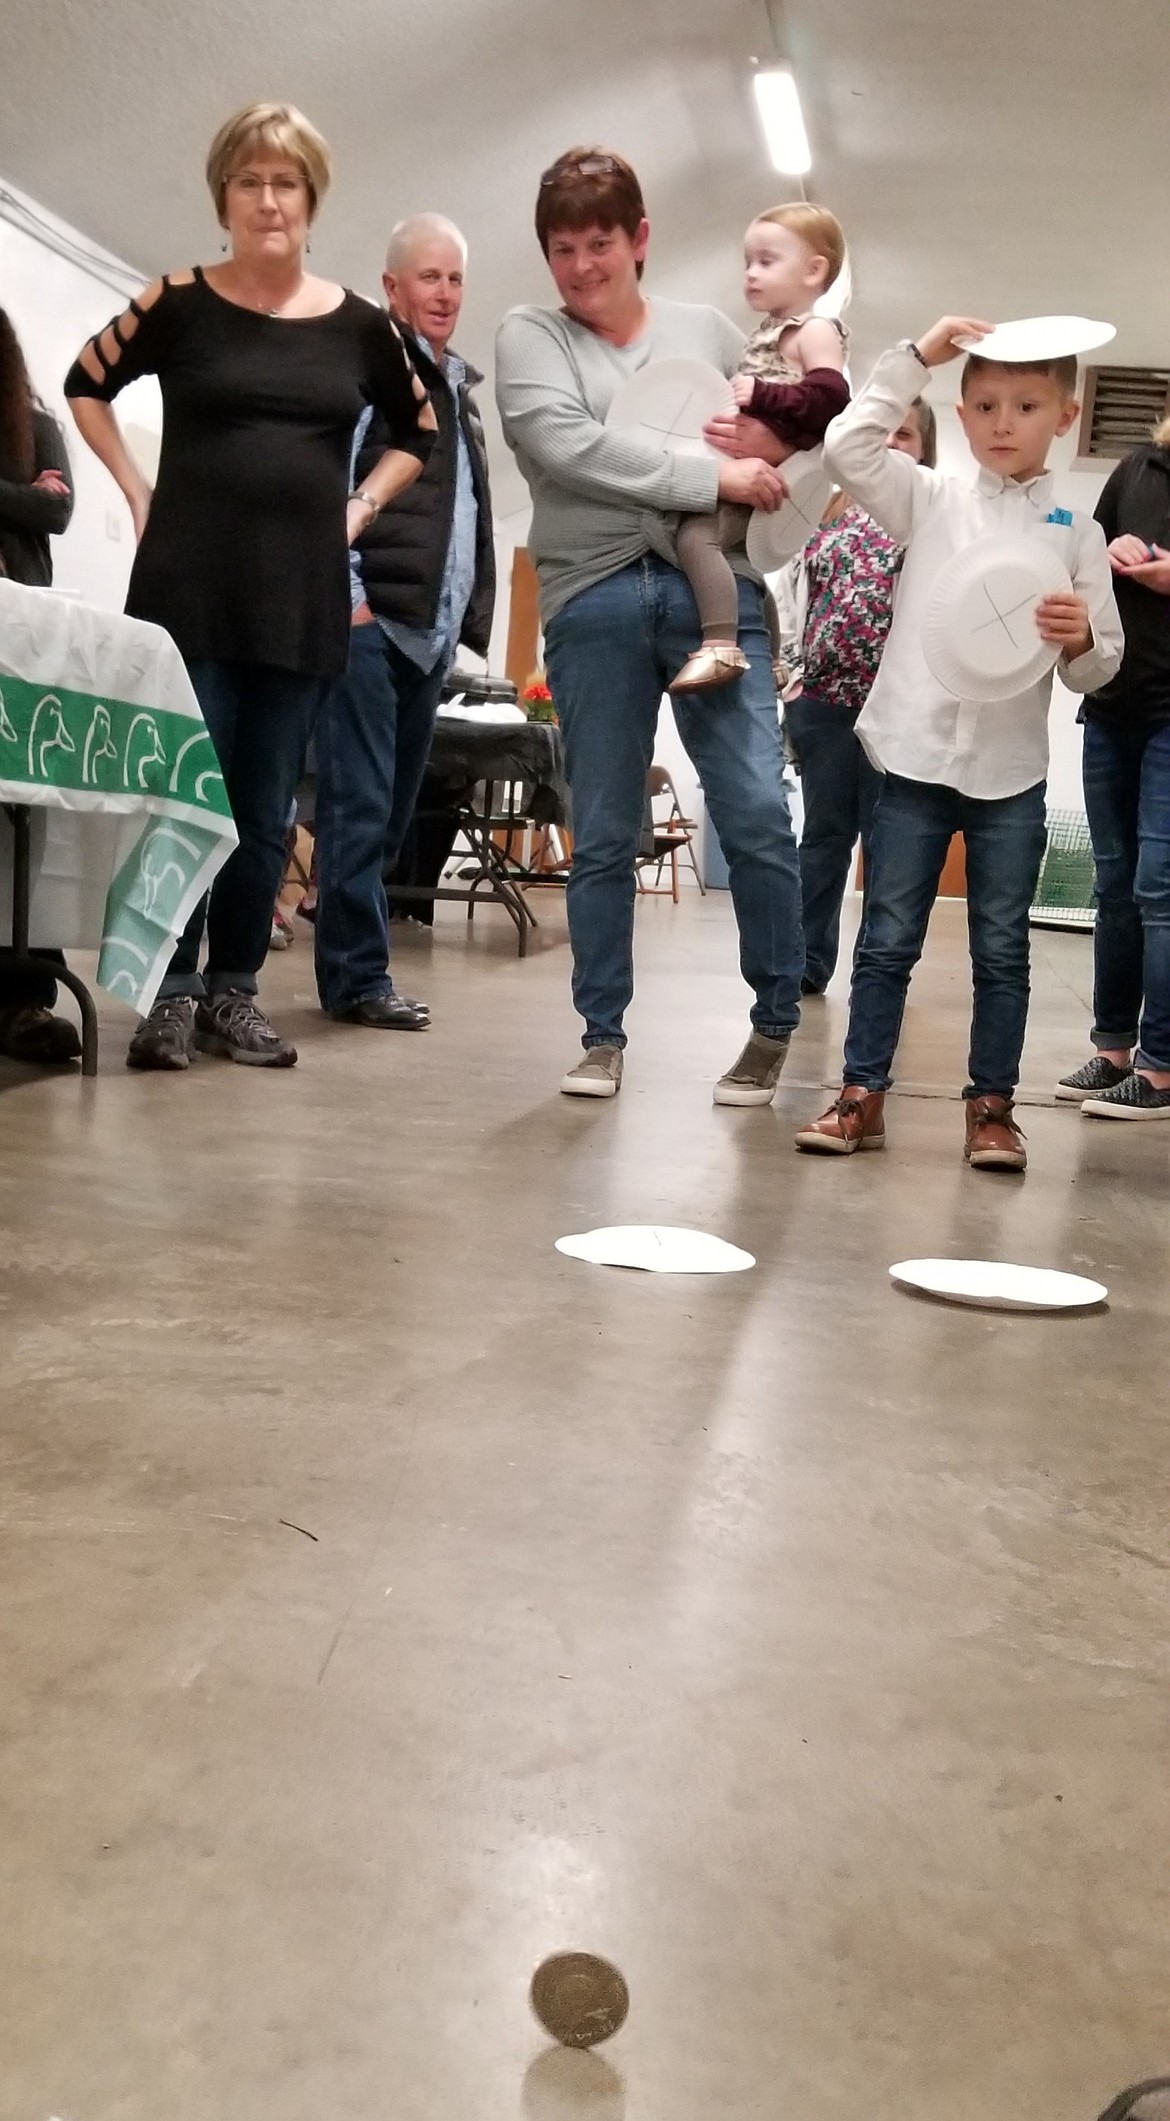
[
  {"x": 840, "y": 790},
  {"x": 1126, "y": 768},
  {"x": 259, "y": 719},
  {"x": 611, "y": 653},
  {"x": 373, "y": 739},
  {"x": 912, "y": 830}
]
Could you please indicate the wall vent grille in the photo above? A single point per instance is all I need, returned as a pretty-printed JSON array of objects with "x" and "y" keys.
[{"x": 1120, "y": 407}]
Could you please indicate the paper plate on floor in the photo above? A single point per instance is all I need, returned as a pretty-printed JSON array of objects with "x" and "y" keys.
[
  {"x": 658, "y": 1248},
  {"x": 668, "y": 403},
  {"x": 1041, "y": 338},
  {"x": 995, "y": 1285},
  {"x": 979, "y": 631},
  {"x": 773, "y": 538}
]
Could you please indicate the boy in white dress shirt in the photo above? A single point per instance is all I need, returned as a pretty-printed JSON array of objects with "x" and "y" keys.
[{"x": 952, "y": 765}]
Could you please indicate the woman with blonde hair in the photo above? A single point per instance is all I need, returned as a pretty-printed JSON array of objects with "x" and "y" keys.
[{"x": 242, "y": 547}]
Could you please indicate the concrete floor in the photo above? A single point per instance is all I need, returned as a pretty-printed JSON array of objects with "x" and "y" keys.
[{"x": 800, "y": 1644}]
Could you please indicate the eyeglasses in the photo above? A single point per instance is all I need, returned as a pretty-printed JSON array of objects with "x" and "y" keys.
[
  {"x": 253, "y": 186},
  {"x": 590, "y": 166}
]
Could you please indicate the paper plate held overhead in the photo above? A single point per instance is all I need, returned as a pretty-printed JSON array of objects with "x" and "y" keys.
[
  {"x": 995, "y": 1285},
  {"x": 979, "y": 632},
  {"x": 668, "y": 404},
  {"x": 1041, "y": 338},
  {"x": 773, "y": 538}
]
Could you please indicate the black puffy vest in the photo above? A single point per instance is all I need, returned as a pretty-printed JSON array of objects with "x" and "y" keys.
[{"x": 404, "y": 551}]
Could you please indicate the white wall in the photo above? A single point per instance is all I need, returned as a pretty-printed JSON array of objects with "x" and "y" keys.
[{"x": 55, "y": 303}]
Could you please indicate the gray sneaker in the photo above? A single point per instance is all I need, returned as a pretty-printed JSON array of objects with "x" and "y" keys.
[
  {"x": 163, "y": 1039},
  {"x": 597, "y": 1074},
  {"x": 1097, "y": 1074},
  {"x": 1133, "y": 1098},
  {"x": 753, "y": 1079},
  {"x": 232, "y": 1025}
]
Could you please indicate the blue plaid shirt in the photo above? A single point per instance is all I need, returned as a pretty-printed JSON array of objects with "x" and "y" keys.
[{"x": 426, "y": 646}]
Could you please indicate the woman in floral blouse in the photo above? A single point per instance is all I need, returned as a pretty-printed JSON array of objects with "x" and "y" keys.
[{"x": 844, "y": 600}]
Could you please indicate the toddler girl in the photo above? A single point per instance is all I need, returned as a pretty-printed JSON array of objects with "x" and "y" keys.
[{"x": 790, "y": 377}]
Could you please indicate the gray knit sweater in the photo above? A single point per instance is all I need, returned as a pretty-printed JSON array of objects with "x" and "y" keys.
[{"x": 600, "y": 498}]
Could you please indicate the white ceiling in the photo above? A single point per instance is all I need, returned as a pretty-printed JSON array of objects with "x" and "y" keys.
[{"x": 1002, "y": 156}]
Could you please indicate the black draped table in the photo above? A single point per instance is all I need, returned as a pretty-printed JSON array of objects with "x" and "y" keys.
[{"x": 470, "y": 765}]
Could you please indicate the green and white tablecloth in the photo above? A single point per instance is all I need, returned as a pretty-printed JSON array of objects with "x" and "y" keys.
[{"x": 101, "y": 732}]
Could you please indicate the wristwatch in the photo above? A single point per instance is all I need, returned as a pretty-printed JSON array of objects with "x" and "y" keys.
[
  {"x": 908, "y": 346},
  {"x": 368, "y": 498}
]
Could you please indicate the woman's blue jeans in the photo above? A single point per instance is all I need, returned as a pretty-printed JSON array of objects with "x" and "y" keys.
[
  {"x": 1126, "y": 769},
  {"x": 611, "y": 653},
  {"x": 912, "y": 830}
]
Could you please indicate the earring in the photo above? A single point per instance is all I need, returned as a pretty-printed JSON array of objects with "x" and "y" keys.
[{"x": 223, "y": 245}]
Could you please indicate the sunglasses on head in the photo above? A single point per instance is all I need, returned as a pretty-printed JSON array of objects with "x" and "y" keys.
[{"x": 590, "y": 166}]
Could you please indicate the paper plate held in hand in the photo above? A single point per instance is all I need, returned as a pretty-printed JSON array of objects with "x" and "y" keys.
[
  {"x": 668, "y": 404},
  {"x": 658, "y": 1248},
  {"x": 979, "y": 632},
  {"x": 995, "y": 1285},
  {"x": 773, "y": 538},
  {"x": 1040, "y": 338}
]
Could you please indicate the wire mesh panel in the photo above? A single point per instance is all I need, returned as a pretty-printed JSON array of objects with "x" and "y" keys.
[{"x": 1064, "y": 894}]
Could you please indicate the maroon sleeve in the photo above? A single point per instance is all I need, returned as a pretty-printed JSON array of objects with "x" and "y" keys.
[{"x": 800, "y": 412}]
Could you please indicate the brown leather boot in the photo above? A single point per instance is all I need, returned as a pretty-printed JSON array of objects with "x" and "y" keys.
[
  {"x": 994, "y": 1142},
  {"x": 853, "y": 1121}
]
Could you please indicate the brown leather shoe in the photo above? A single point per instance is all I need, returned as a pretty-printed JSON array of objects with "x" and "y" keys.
[
  {"x": 994, "y": 1142},
  {"x": 854, "y": 1121}
]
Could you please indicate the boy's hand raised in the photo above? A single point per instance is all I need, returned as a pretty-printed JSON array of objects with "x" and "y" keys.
[{"x": 937, "y": 346}]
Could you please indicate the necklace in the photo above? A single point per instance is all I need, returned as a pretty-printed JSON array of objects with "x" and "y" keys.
[{"x": 265, "y": 309}]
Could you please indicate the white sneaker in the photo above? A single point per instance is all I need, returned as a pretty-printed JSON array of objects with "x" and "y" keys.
[
  {"x": 753, "y": 1079},
  {"x": 597, "y": 1074}
]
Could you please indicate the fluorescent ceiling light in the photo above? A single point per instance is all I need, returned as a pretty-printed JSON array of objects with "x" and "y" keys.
[{"x": 783, "y": 121}]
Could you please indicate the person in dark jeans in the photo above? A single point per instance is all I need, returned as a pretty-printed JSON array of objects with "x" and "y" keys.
[
  {"x": 36, "y": 502},
  {"x": 841, "y": 605},
  {"x": 1126, "y": 768},
  {"x": 423, "y": 581},
  {"x": 242, "y": 555}
]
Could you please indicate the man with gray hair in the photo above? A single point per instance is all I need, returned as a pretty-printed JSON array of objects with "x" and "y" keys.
[{"x": 423, "y": 578}]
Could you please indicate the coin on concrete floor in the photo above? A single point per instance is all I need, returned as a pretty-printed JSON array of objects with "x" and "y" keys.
[{"x": 579, "y": 1999}]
